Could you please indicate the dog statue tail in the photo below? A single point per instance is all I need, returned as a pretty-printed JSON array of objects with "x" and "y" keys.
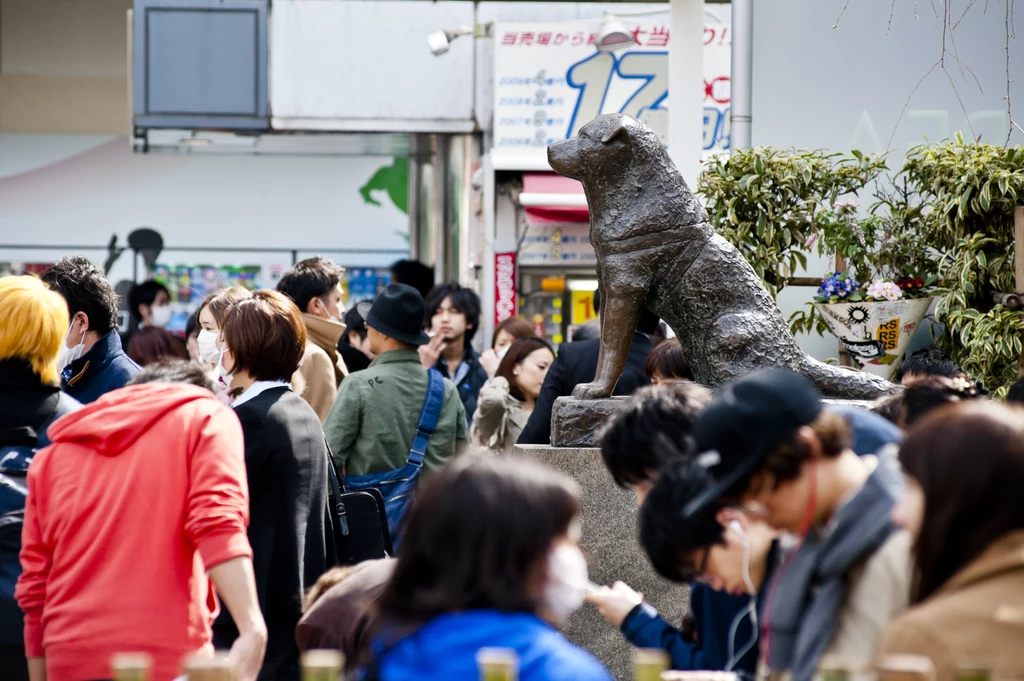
[{"x": 832, "y": 380}]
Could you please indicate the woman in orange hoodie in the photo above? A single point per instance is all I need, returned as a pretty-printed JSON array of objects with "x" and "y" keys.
[{"x": 139, "y": 503}]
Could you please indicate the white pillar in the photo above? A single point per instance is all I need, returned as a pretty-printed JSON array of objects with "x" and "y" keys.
[{"x": 686, "y": 87}]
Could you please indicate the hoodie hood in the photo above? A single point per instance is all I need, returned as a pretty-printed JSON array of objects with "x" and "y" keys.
[
  {"x": 113, "y": 423},
  {"x": 445, "y": 648}
]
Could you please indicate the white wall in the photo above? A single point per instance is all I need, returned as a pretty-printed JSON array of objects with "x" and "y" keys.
[{"x": 73, "y": 190}]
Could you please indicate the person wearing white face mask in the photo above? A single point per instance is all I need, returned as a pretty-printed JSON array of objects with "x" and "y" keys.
[
  {"x": 286, "y": 461},
  {"x": 91, "y": 360},
  {"x": 489, "y": 559},
  {"x": 211, "y": 315},
  {"x": 150, "y": 304},
  {"x": 150, "y": 309},
  {"x": 314, "y": 285}
]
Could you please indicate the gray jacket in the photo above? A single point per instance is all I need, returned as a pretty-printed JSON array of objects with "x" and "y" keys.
[{"x": 814, "y": 582}]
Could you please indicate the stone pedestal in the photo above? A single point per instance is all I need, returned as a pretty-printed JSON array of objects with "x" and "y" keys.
[
  {"x": 575, "y": 423},
  {"x": 610, "y": 542}
]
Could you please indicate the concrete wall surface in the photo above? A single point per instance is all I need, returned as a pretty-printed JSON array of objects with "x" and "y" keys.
[{"x": 613, "y": 552}]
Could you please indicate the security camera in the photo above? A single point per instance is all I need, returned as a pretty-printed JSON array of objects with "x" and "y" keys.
[{"x": 438, "y": 42}]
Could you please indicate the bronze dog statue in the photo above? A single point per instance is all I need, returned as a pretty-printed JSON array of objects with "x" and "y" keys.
[{"x": 655, "y": 248}]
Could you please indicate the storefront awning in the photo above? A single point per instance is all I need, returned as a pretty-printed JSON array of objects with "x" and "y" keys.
[{"x": 548, "y": 197}]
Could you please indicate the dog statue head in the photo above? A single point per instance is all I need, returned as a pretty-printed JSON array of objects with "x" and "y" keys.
[{"x": 609, "y": 146}]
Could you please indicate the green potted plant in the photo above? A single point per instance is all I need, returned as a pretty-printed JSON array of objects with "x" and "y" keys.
[
  {"x": 877, "y": 302},
  {"x": 972, "y": 191},
  {"x": 764, "y": 201}
]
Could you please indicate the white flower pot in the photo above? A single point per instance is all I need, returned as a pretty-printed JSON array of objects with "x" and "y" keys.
[{"x": 875, "y": 334}]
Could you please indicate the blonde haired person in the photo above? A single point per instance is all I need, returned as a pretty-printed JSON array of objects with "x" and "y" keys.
[{"x": 33, "y": 322}]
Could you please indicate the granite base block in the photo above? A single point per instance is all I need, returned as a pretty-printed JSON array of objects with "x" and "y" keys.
[
  {"x": 610, "y": 542},
  {"x": 575, "y": 423}
]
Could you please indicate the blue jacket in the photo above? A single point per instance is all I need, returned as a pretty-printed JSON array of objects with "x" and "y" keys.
[
  {"x": 445, "y": 649},
  {"x": 103, "y": 369},
  {"x": 871, "y": 432},
  {"x": 708, "y": 646}
]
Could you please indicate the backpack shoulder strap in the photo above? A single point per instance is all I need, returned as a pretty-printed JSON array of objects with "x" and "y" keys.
[{"x": 428, "y": 417}]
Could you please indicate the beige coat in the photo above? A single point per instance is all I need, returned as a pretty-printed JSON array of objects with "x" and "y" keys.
[
  {"x": 322, "y": 369},
  {"x": 499, "y": 418},
  {"x": 975, "y": 619},
  {"x": 879, "y": 592}
]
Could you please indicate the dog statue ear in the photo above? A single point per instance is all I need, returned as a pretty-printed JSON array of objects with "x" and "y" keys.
[{"x": 613, "y": 133}]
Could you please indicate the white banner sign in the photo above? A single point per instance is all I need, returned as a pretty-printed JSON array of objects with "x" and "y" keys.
[
  {"x": 557, "y": 243},
  {"x": 550, "y": 80}
]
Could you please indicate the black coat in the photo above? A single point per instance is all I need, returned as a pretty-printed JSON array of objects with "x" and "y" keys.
[
  {"x": 289, "y": 526},
  {"x": 577, "y": 363},
  {"x": 354, "y": 358},
  {"x": 26, "y": 401}
]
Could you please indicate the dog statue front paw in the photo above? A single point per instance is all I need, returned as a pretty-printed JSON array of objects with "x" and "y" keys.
[{"x": 592, "y": 391}]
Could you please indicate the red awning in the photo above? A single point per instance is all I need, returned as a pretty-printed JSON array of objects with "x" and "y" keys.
[{"x": 549, "y": 197}]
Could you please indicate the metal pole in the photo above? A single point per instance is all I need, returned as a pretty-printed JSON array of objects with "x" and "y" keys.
[
  {"x": 417, "y": 225},
  {"x": 742, "y": 73}
]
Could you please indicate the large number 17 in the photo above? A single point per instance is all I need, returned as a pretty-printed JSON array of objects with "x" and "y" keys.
[{"x": 593, "y": 77}]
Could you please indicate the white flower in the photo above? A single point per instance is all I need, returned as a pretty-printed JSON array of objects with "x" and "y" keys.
[{"x": 884, "y": 290}]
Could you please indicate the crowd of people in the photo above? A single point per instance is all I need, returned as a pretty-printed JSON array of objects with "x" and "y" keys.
[{"x": 178, "y": 496}]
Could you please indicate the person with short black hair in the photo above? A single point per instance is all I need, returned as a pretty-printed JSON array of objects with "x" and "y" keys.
[
  {"x": 930, "y": 361},
  {"x": 577, "y": 363},
  {"x": 354, "y": 344},
  {"x": 965, "y": 470},
  {"x": 413, "y": 273},
  {"x": 924, "y": 395},
  {"x": 720, "y": 548},
  {"x": 149, "y": 304},
  {"x": 91, "y": 362},
  {"x": 490, "y": 558},
  {"x": 639, "y": 442},
  {"x": 286, "y": 463},
  {"x": 769, "y": 445},
  {"x": 174, "y": 371},
  {"x": 452, "y": 319},
  {"x": 148, "y": 341},
  {"x": 666, "y": 363},
  {"x": 632, "y": 441},
  {"x": 314, "y": 285}
]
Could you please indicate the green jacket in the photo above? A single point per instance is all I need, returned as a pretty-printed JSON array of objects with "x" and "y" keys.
[{"x": 373, "y": 422}]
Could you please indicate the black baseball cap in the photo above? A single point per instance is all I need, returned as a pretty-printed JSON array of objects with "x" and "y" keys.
[
  {"x": 746, "y": 421},
  {"x": 398, "y": 312}
]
